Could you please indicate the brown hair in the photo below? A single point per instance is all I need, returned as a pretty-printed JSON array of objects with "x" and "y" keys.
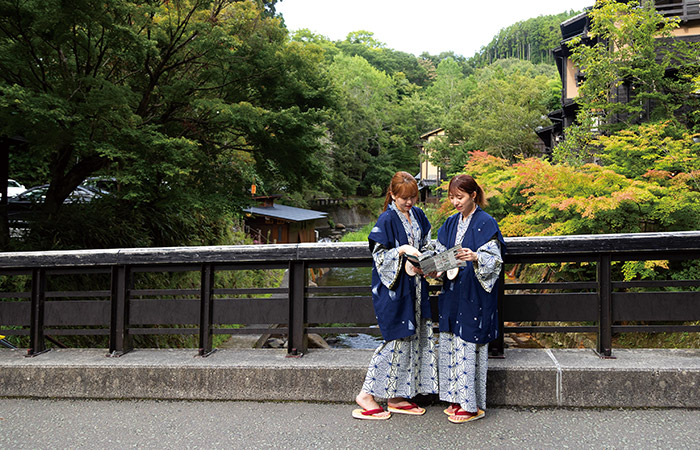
[
  {"x": 467, "y": 183},
  {"x": 402, "y": 185}
]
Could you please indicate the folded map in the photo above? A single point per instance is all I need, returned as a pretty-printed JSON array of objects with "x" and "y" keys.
[{"x": 438, "y": 263}]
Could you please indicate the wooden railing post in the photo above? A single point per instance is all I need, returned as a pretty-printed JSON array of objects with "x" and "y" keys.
[
  {"x": 119, "y": 339},
  {"x": 206, "y": 310},
  {"x": 604, "y": 345},
  {"x": 297, "y": 309},
  {"x": 37, "y": 344},
  {"x": 496, "y": 348}
]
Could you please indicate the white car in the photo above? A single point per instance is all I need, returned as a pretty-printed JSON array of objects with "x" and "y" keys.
[{"x": 14, "y": 188}]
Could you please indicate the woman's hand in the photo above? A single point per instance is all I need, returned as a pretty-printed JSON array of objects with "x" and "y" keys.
[
  {"x": 412, "y": 270},
  {"x": 408, "y": 250},
  {"x": 466, "y": 254}
]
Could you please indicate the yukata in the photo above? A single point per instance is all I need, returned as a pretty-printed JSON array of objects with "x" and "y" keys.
[
  {"x": 405, "y": 364},
  {"x": 468, "y": 309}
]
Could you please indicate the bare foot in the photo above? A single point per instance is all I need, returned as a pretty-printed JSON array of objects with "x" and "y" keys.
[
  {"x": 367, "y": 402},
  {"x": 398, "y": 402},
  {"x": 452, "y": 409},
  {"x": 402, "y": 406}
]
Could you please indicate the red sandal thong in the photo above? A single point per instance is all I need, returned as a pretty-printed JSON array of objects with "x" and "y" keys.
[
  {"x": 407, "y": 409},
  {"x": 369, "y": 414},
  {"x": 452, "y": 409},
  {"x": 462, "y": 416}
]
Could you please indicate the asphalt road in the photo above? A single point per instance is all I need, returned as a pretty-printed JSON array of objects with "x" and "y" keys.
[{"x": 77, "y": 424}]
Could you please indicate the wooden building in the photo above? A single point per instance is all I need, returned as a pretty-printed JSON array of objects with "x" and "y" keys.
[
  {"x": 430, "y": 175},
  {"x": 687, "y": 11},
  {"x": 269, "y": 223}
]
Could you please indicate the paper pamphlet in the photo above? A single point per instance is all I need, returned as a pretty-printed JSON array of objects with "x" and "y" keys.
[{"x": 439, "y": 263}]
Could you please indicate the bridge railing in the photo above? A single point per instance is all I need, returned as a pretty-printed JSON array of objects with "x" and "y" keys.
[{"x": 127, "y": 306}]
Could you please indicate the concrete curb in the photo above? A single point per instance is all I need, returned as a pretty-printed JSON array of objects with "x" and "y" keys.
[{"x": 526, "y": 377}]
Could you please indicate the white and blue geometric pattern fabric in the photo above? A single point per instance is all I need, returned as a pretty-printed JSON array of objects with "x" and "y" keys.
[
  {"x": 489, "y": 261},
  {"x": 463, "y": 369},
  {"x": 404, "y": 367}
]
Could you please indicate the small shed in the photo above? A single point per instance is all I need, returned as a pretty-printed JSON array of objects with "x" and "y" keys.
[{"x": 269, "y": 223}]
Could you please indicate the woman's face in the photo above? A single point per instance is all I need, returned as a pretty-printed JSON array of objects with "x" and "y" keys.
[
  {"x": 404, "y": 204},
  {"x": 462, "y": 201}
]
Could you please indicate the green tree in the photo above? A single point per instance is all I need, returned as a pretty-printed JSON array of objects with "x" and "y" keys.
[
  {"x": 496, "y": 110},
  {"x": 186, "y": 102},
  {"x": 392, "y": 62},
  {"x": 450, "y": 88},
  {"x": 360, "y": 125}
]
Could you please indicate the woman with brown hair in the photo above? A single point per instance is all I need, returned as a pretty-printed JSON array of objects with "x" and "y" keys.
[
  {"x": 468, "y": 301},
  {"x": 405, "y": 364}
]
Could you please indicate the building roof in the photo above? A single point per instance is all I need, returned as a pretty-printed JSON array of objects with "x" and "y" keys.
[
  {"x": 430, "y": 133},
  {"x": 289, "y": 213}
]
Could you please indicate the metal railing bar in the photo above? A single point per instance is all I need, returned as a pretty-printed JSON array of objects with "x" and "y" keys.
[
  {"x": 75, "y": 271},
  {"x": 251, "y": 330},
  {"x": 248, "y": 291},
  {"x": 344, "y": 330},
  {"x": 77, "y": 294},
  {"x": 340, "y": 297},
  {"x": 552, "y": 286},
  {"x": 164, "y": 268},
  {"x": 76, "y": 332},
  {"x": 655, "y": 328},
  {"x": 338, "y": 264},
  {"x": 164, "y": 292},
  {"x": 341, "y": 289},
  {"x": 15, "y": 295},
  {"x": 551, "y": 329},
  {"x": 273, "y": 265},
  {"x": 10, "y": 332},
  {"x": 15, "y": 272},
  {"x": 655, "y": 283},
  {"x": 160, "y": 331}
]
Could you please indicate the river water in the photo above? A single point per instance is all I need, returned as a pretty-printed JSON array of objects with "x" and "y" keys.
[{"x": 350, "y": 276}]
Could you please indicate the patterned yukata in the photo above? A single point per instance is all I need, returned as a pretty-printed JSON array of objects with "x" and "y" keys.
[
  {"x": 463, "y": 365},
  {"x": 407, "y": 366}
]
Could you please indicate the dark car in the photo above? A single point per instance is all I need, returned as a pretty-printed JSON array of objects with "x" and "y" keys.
[
  {"x": 37, "y": 195},
  {"x": 26, "y": 206},
  {"x": 100, "y": 185}
]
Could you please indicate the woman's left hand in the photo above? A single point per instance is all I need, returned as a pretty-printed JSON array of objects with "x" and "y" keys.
[{"x": 466, "y": 254}]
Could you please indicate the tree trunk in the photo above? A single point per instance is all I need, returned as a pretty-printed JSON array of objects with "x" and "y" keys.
[{"x": 4, "y": 175}]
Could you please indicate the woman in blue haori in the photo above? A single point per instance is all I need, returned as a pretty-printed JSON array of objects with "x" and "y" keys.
[
  {"x": 405, "y": 364},
  {"x": 468, "y": 301}
]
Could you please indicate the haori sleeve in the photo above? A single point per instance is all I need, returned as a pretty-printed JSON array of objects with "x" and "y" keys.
[
  {"x": 439, "y": 247},
  {"x": 387, "y": 262},
  {"x": 427, "y": 245},
  {"x": 489, "y": 263}
]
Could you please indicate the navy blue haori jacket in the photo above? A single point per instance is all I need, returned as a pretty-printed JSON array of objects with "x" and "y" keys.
[
  {"x": 466, "y": 309},
  {"x": 394, "y": 306}
]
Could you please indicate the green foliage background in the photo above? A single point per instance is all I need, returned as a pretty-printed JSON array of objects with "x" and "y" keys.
[{"x": 187, "y": 103}]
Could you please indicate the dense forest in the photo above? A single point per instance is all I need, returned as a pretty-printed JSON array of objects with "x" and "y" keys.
[
  {"x": 532, "y": 39},
  {"x": 188, "y": 103}
]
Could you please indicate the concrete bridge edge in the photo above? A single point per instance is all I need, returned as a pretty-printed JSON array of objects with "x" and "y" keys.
[{"x": 526, "y": 377}]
